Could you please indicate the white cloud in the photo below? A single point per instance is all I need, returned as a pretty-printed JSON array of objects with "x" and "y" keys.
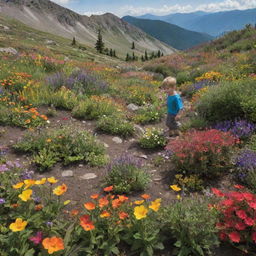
[
  {"x": 211, "y": 7},
  {"x": 61, "y": 1},
  {"x": 93, "y": 13}
]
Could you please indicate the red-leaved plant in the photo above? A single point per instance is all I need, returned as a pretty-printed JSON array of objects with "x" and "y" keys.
[
  {"x": 204, "y": 153},
  {"x": 237, "y": 222}
]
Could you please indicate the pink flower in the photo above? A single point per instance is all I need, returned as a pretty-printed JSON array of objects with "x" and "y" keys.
[
  {"x": 234, "y": 237},
  {"x": 240, "y": 226},
  {"x": 253, "y": 205},
  {"x": 249, "y": 221},
  {"x": 239, "y": 186},
  {"x": 241, "y": 214},
  {"x": 217, "y": 192},
  {"x": 37, "y": 239}
]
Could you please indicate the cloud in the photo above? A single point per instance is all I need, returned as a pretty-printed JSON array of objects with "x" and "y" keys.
[
  {"x": 62, "y": 1},
  {"x": 226, "y": 5},
  {"x": 94, "y": 13}
]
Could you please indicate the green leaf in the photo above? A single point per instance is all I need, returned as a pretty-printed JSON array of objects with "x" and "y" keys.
[{"x": 30, "y": 252}]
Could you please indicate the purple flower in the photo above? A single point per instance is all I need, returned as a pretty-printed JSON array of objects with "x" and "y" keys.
[
  {"x": 2, "y": 200},
  {"x": 27, "y": 175},
  {"x": 4, "y": 168},
  {"x": 240, "y": 128},
  {"x": 37, "y": 199},
  {"x": 49, "y": 223}
]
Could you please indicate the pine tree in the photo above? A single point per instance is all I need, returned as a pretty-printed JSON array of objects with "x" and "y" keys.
[
  {"x": 99, "y": 44},
  {"x": 146, "y": 55},
  {"x": 127, "y": 57},
  {"x": 159, "y": 54},
  {"x": 133, "y": 45},
  {"x": 114, "y": 53},
  {"x": 111, "y": 52},
  {"x": 73, "y": 41},
  {"x": 152, "y": 56},
  {"x": 142, "y": 58},
  {"x": 133, "y": 56},
  {"x": 162, "y": 54}
]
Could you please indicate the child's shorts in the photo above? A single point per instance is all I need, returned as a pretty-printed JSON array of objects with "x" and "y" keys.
[{"x": 171, "y": 123}]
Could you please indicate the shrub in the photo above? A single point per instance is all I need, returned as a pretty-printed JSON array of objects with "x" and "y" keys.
[
  {"x": 189, "y": 183},
  {"x": 153, "y": 138},
  {"x": 252, "y": 143},
  {"x": 196, "y": 122},
  {"x": 224, "y": 102},
  {"x": 205, "y": 153},
  {"x": 240, "y": 128},
  {"x": 183, "y": 77},
  {"x": 115, "y": 125},
  {"x": 192, "y": 225},
  {"x": 63, "y": 145},
  {"x": 236, "y": 223},
  {"x": 249, "y": 107},
  {"x": 126, "y": 175}
]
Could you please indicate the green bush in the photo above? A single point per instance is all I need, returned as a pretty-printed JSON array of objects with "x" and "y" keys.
[
  {"x": 126, "y": 175},
  {"x": 249, "y": 107},
  {"x": 115, "y": 125},
  {"x": 62, "y": 145},
  {"x": 252, "y": 143},
  {"x": 226, "y": 101},
  {"x": 183, "y": 77},
  {"x": 196, "y": 122},
  {"x": 192, "y": 224},
  {"x": 153, "y": 138},
  {"x": 161, "y": 69}
]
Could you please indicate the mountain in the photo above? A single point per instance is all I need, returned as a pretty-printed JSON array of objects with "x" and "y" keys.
[
  {"x": 47, "y": 16},
  {"x": 214, "y": 24},
  {"x": 173, "y": 35}
]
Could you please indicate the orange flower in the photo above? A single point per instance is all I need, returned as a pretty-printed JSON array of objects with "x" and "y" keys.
[
  {"x": 38, "y": 207},
  {"x": 60, "y": 190},
  {"x": 27, "y": 121},
  {"x": 74, "y": 212},
  {"x": 108, "y": 189},
  {"x": 145, "y": 196},
  {"x": 95, "y": 196},
  {"x": 86, "y": 223},
  {"x": 116, "y": 203},
  {"x": 123, "y": 215},
  {"x": 105, "y": 214},
  {"x": 15, "y": 205},
  {"x": 52, "y": 180},
  {"x": 53, "y": 244},
  {"x": 138, "y": 202},
  {"x": 123, "y": 198},
  {"x": 103, "y": 202},
  {"x": 89, "y": 206}
]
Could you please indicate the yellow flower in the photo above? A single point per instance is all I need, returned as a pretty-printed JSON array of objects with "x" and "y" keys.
[
  {"x": 52, "y": 180},
  {"x": 138, "y": 202},
  {"x": 67, "y": 202},
  {"x": 60, "y": 190},
  {"x": 18, "y": 185},
  {"x": 40, "y": 182},
  {"x": 178, "y": 197},
  {"x": 48, "y": 140},
  {"x": 18, "y": 225},
  {"x": 29, "y": 183},
  {"x": 155, "y": 205},
  {"x": 175, "y": 188},
  {"x": 140, "y": 212},
  {"x": 26, "y": 195}
]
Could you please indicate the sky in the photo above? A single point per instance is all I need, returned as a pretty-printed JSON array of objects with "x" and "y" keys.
[{"x": 157, "y": 7}]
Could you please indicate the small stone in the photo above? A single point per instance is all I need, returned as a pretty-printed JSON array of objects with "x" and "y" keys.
[
  {"x": 139, "y": 129},
  {"x": 50, "y": 42},
  {"x": 66, "y": 58},
  {"x": 106, "y": 145},
  {"x": 143, "y": 156},
  {"x": 9, "y": 50},
  {"x": 117, "y": 140},
  {"x": 132, "y": 140},
  {"x": 152, "y": 171},
  {"x": 84, "y": 122},
  {"x": 158, "y": 178},
  {"x": 67, "y": 173},
  {"x": 80, "y": 165},
  {"x": 11, "y": 141},
  {"x": 89, "y": 176},
  {"x": 132, "y": 107},
  {"x": 89, "y": 124}
]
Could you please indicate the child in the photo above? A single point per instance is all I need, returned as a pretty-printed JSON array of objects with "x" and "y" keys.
[{"x": 174, "y": 104}]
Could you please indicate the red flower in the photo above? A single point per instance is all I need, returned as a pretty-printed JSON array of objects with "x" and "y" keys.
[
  {"x": 37, "y": 239},
  {"x": 234, "y": 237},
  {"x": 240, "y": 226},
  {"x": 253, "y": 205},
  {"x": 254, "y": 237},
  {"x": 239, "y": 186},
  {"x": 248, "y": 196},
  {"x": 236, "y": 195},
  {"x": 108, "y": 189},
  {"x": 222, "y": 236},
  {"x": 217, "y": 192},
  {"x": 249, "y": 221},
  {"x": 241, "y": 214},
  {"x": 227, "y": 202}
]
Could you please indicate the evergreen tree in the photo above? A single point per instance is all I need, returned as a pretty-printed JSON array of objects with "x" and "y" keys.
[
  {"x": 111, "y": 52},
  {"x": 152, "y": 56},
  {"x": 133, "y": 56},
  {"x": 146, "y": 55},
  {"x": 73, "y": 41},
  {"x": 162, "y": 54},
  {"x": 114, "y": 53},
  {"x": 99, "y": 44},
  {"x": 142, "y": 58},
  {"x": 127, "y": 57},
  {"x": 133, "y": 45},
  {"x": 106, "y": 51},
  {"x": 159, "y": 54}
]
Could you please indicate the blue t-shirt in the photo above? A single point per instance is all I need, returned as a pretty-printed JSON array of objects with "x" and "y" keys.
[{"x": 174, "y": 104}]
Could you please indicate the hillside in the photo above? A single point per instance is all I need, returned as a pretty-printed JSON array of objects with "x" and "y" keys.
[
  {"x": 49, "y": 17},
  {"x": 172, "y": 35},
  {"x": 214, "y": 24}
]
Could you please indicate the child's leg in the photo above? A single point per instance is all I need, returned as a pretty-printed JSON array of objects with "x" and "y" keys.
[{"x": 171, "y": 124}]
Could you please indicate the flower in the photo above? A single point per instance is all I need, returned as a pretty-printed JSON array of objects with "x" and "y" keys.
[
  {"x": 2, "y": 200},
  {"x": 241, "y": 214},
  {"x": 74, "y": 212},
  {"x": 18, "y": 185},
  {"x": 155, "y": 205},
  {"x": 89, "y": 206},
  {"x": 18, "y": 225},
  {"x": 217, "y": 192},
  {"x": 105, "y": 214},
  {"x": 254, "y": 237},
  {"x": 37, "y": 239},
  {"x": 29, "y": 183},
  {"x": 138, "y": 202},
  {"x": 40, "y": 182},
  {"x": 249, "y": 221},
  {"x": 95, "y": 196},
  {"x": 145, "y": 196},
  {"x": 140, "y": 212},
  {"x": 123, "y": 215},
  {"x": 108, "y": 189},
  {"x": 234, "y": 237},
  {"x": 38, "y": 207},
  {"x": 67, "y": 202},
  {"x": 60, "y": 190},
  {"x": 175, "y": 188},
  {"x": 86, "y": 223},
  {"x": 103, "y": 202},
  {"x": 53, "y": 244},
  {"x": 26, "y": 195},
  {"x": 116, "y": 203},
  {"x": 253, "y": 205},
  {"x": 52, "y": 180},
  {"x": 239, "y": 186}
]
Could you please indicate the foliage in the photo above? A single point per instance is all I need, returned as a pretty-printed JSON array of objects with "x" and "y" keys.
[
  {"x": 63, "y": 145},
  {"x": 127, "y": 175},
  {"x": 189, "y": 183},
  {"x": 194, "y": 122},
  {"x": 115, "y": 125},
  {"x": 152, "y": 138},
  {"x": 236, "y": 223},
  {"x": 192, "y": 225},
  {"x": 204, "y": 153}
]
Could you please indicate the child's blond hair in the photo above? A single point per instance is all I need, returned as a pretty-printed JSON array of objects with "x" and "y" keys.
[{"x": 169, "y": 82}]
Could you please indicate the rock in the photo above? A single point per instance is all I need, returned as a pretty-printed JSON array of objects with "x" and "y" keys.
[
  {"x": 152, "y": 171},
  {"x": 67, "y": 173},
  {"x": 143, "y": 156},
  {"x": 9, "y": 50},
  {"x": 132, "y": 107},
  {"x": 80, "y": 165},
  {"x": 139, "y": 129},
  {"x": 132, "y": 140},
  {"x": 84, "y": 122},
  {"x": 89, "y": 176},
  {"x": 157, "y": 178},
  {"x": 66, "y": 58},
  {"x": 117, "y": 140},
  {"x": 106, "y": 145},
  {"x": 50, "y": 42},
  {"x": 4, "y": 27}
]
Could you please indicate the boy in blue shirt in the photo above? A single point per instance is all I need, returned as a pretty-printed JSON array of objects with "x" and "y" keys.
[{"x": 174, "y": 104}]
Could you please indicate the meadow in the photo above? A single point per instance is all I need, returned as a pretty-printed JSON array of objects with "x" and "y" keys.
[{"x": 86, "y": 167}]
